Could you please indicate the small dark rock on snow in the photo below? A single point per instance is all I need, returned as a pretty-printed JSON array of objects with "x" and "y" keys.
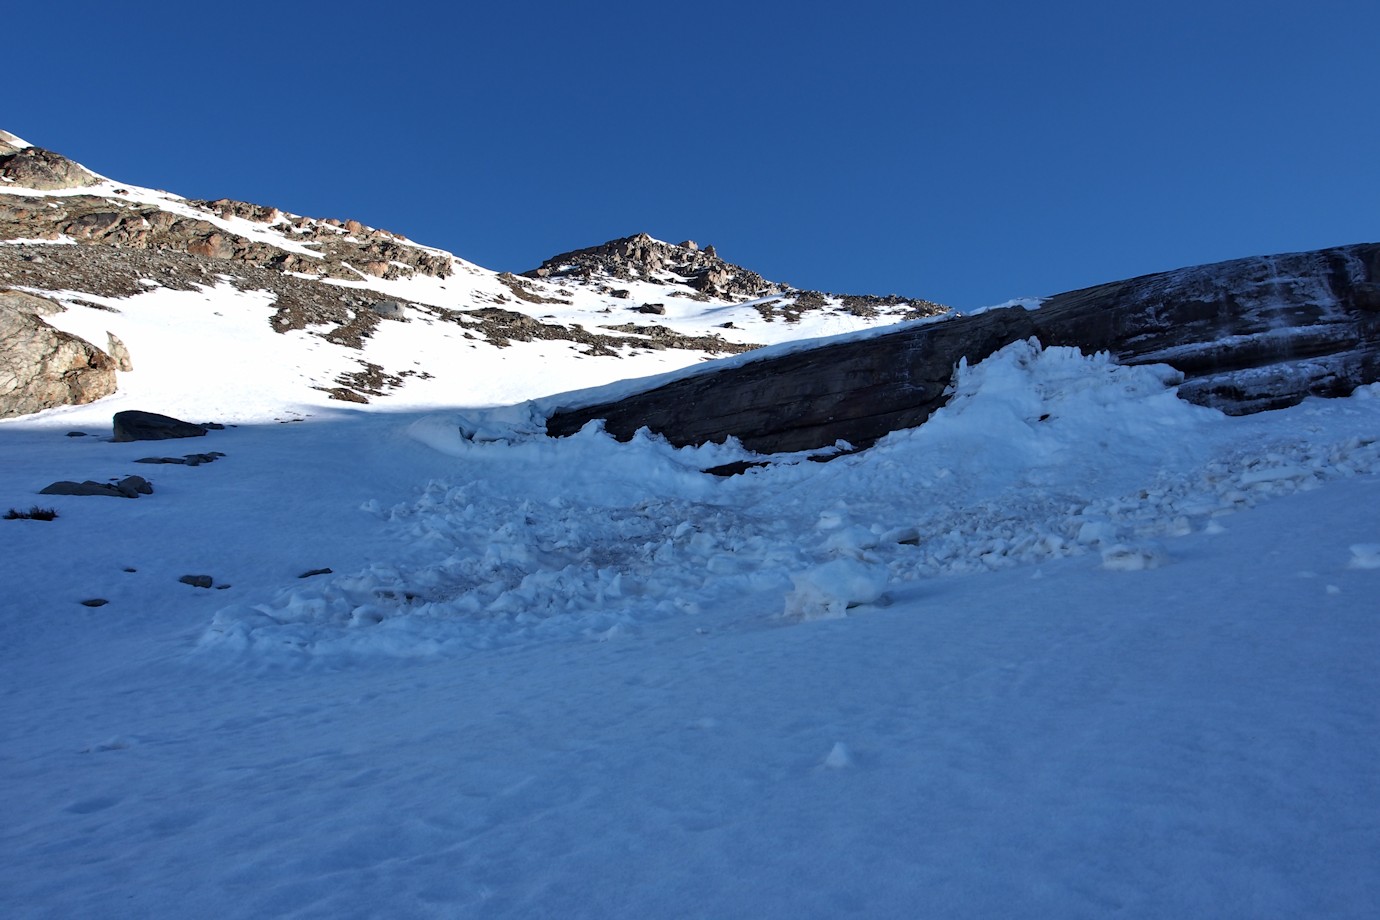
[
  {"x": 134, "y": 425},
  {"x": 129, "y": 487},
  {"x": 187, "y": 460},
  {"x": 197, "y": 581}
]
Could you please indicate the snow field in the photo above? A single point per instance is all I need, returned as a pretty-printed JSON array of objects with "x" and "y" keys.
[
  {"x": 1014, "y": 472},
  {"x": 1072, "y": 649},
  {"x": 579, "y": 678}
]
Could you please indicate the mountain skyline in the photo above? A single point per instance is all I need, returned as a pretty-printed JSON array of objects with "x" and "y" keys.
[
  {"x": 366, "y": 639},
  {"x": 963, "y": 156}
]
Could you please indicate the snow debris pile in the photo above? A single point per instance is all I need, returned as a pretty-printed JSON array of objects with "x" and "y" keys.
[
  {"x": 830, "y": 590},
  {"x": 1365, "y": 556},
  {"x": 584, "y": 536}
]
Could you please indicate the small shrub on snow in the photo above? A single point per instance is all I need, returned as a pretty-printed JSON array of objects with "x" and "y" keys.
[{"x": 33, "y": 514}]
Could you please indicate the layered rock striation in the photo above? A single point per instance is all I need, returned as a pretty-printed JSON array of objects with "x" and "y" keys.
[{"x": 1247, "y": 335}]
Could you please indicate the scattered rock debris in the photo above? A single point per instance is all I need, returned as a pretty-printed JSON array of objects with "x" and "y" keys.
[{"x": 187, "y": 460}]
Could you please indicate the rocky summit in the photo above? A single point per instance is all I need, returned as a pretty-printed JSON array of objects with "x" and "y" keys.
[
  {"x": 36, "y": 168},
  {"x": 641, "y": 257},
  {"x": 701, "y": 274}
]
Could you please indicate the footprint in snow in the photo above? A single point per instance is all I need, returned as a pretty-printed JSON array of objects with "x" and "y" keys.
[
  {"x": 88, "y": 806},
  {"x": 1365, "y": 556}
]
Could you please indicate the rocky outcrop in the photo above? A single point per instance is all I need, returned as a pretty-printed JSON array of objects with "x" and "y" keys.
[
  {"x": 23, "y": 302},
  {"x": 341, "y": 254},
  {"x": 42, "y": 367},
  {"x": 704, "y": 275},
  {"x": 36, "y": 168},
  {"x": 118, "y": 352},
  {"x": 129, "y": 487},
  {"x": 641, "y": 257},
  {"x": 1247, "y": 335},
  {"x": 10, "y": 144},
  {"x": 134, "y": 425}
]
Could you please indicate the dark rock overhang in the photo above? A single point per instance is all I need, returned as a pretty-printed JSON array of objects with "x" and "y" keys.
[{"x": 1247, "y": 335}]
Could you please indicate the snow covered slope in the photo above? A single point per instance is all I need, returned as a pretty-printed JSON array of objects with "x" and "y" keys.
[
  {"x": 1074, "y": 648},
  {"x": 367, "y": 314}
]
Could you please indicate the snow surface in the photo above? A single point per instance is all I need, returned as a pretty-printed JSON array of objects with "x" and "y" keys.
[{"x": 1074, "y": 648}]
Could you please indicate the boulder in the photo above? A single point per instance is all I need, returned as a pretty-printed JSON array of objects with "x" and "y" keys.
[
  {"x": 134, "y": 425},
  {"x": 642, "y": 256},
  {"x": 36, "y": 168},
  {"x": 129, "y": 487},
  {"x": 42, "y": 367},
  {"x": 118, "y": 352},
  {"x": 133, "y": 486},
  {"x": 212, "y": 246},
  {"x": 24, "y": 302},
  {"x": 10, "y": 144},
  {"x": 1247, "y": 335}
]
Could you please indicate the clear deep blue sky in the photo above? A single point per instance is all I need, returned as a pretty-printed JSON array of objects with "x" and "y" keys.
[{"x": 965, "y": 151}]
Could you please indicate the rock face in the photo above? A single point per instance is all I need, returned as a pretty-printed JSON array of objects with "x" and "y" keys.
[
  {"x": 705, "y": 275},
  {"x": 641, "y": 256},
  {"x": 129, "y": 487},
  {"x": 118, "y": 352},
  {"x": 20, "y": 302},
  {"x": 1248, "y": 335},
  {"x": 42, "y": 367},
  {"x": 133, "y": 425},
  {"x": 36, "y": 168},
  {"x": 10, "y": 144},
  {"x": 93, "y": 219}
]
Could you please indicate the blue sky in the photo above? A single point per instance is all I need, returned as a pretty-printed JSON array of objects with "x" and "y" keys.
[{"x": 967, "y": 153}]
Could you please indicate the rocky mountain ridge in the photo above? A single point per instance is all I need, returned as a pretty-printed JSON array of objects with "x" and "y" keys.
[{"x": 76, "y": 237}]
